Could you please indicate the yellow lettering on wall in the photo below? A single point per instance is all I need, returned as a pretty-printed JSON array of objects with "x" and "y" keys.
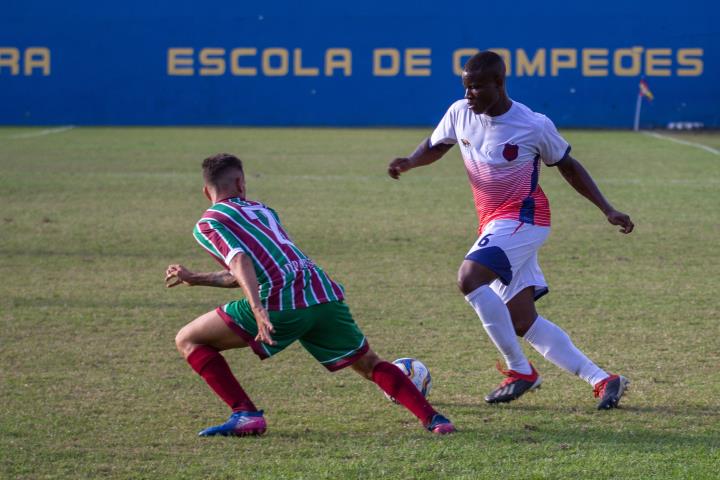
[
  {"x": 687, "y": 57},
  {"x": 594, "y": 62},
  {"x": 37, "y": 57},
  {"x": 213, "y": 61},
  {"x": 180, "y": 61},
  {"x": 417, "y": 62},
  {"x": 235, "y": 67},
  {"x": 531, "y": 68},
  {"x": 298, "y": 68},
  {"x": 340, "y": 58},
  {"x": 506, "y": 56},
  {"x": 654, "y": 62},
  {"x": 562, "y": 58},
  {"x": 10, "y": 57},
  {"x": 282, "y": 69},
  {"x": 390, "y": 71},
  {"x": 635, "y": 56},
  {"x": 459, "y": 58},
  {"x": 391, "y": 62}
]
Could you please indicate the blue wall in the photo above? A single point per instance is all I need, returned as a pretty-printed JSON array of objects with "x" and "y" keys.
[{"x": 111, "y": 64}]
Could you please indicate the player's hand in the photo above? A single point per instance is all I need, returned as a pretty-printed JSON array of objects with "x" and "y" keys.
[
  {"x": 621, "y": 219},
  {"x": 177, "y": 274},
  {"x": 398, "y": 166},
  {"x": 265, "y": 328}
]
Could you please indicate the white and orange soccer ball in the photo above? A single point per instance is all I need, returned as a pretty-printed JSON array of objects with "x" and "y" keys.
[{"x": 417, "y": 372}]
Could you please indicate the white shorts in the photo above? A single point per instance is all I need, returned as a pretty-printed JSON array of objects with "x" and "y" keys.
[{"x": 509, "y": 248}]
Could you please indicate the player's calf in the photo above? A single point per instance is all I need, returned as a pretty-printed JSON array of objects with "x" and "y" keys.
[
  {"x": 398, "y": 386},
  {"x": 200, "y": 343}
]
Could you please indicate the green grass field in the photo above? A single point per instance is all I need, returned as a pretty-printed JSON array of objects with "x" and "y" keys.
[{"x": 92, "y": 386}]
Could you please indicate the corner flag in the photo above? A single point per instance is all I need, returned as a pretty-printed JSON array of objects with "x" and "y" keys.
[{"x": 643, "y": 92}]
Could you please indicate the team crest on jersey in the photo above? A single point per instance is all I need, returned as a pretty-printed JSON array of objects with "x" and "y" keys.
[
  {"x": 510, "y": 152},
  {"x": 465, "y": 142}
]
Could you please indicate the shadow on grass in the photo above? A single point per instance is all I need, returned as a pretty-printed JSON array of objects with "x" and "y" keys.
[
  {"x": 687, "y": 410},
  {"x": 633, "y": 439},
  {"x": 555, "y": 436}
]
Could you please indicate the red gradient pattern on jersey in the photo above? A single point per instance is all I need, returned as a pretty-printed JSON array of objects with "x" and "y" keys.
[{"x": 500, "y": 190}]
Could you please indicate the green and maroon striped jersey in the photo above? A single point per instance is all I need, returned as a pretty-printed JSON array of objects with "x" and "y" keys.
[{"x": 287, "y": 278}]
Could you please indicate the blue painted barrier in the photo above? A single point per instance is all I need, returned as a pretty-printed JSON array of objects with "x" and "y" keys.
[{"x": 283, "y": 63}]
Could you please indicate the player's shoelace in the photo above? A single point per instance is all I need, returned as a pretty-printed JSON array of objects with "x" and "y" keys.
[
  {"x": 512, "y": 376},
  {"x": 599, "y": 389}
]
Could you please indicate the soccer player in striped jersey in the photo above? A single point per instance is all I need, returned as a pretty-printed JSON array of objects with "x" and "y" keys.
[
  {"x": 287, "y": 297},
  {"x": 503, "y": 143}
]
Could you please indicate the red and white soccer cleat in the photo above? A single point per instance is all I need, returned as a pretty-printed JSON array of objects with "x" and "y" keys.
[
  {"x": 610, "y": 390},
  {"x": 514, "y": 386}
]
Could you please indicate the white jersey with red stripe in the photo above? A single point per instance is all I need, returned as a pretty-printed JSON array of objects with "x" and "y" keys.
[{"x": 502, "y": 157}]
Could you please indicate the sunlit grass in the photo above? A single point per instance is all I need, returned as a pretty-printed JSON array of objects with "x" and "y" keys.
[{"x": 92, "y": 386}]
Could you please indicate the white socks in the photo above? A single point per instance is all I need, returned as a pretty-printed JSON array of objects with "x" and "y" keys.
[
  {"x": 495, "y": 318},
  {"x": 555, "y": 345},
  {"x": 547, "y": 338}
]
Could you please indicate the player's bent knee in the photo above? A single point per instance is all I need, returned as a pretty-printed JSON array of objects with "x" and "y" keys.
[
  {"x": 466, "y": 284},
  {"x": 471, "y": 278},
  {"x": 183, "y": 342},
  {"x": 366, "y": 364}
]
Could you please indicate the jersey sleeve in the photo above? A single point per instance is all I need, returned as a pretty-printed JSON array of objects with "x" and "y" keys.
[
  {"x": 218, "y": 240},
  {"x": 553, "y": 147},
  {"x": 445, "y": 130}
]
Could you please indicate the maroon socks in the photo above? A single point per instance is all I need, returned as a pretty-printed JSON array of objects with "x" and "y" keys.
[
  {"x": 213, "y": 368},
  {"x": 394, "y": 382}
]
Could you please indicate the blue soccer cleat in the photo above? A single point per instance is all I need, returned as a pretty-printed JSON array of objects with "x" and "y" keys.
[
  {"x": 239, "y": 424},
  {"x": 440, "y": 425}
]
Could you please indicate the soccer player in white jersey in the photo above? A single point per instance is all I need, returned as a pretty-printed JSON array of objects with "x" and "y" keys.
[
  {"x": 502, "y": 143},
  {"x": 288, "y": 298}
]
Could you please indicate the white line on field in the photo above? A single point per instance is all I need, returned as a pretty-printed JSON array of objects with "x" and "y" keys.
[
  {"x": 683, "y": 142},
  {"x": 42, "y": 133}
]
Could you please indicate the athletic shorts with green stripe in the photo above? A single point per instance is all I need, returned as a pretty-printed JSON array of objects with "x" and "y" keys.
[{"x": 326, "y": 330}]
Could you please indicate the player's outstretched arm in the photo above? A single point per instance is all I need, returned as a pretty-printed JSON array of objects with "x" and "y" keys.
[
  {"x": 579, "y": 178},
  {"x": 242, "y": 268},
  {"x": 424, "y": 154},
  {"x": 177, "y": 274}
]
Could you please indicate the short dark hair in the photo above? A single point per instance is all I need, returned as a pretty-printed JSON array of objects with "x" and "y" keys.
[
  {"x": 486, "y": 62},
  {"x": 216, "y": 166}
]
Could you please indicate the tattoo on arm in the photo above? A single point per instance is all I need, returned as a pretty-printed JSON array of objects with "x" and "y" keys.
[
  {"x": 225, "y": 279},
  {"x": 222, "y": 279}
]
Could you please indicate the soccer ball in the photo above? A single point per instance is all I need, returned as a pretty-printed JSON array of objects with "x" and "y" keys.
[{"x": 417, "y": 372}]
